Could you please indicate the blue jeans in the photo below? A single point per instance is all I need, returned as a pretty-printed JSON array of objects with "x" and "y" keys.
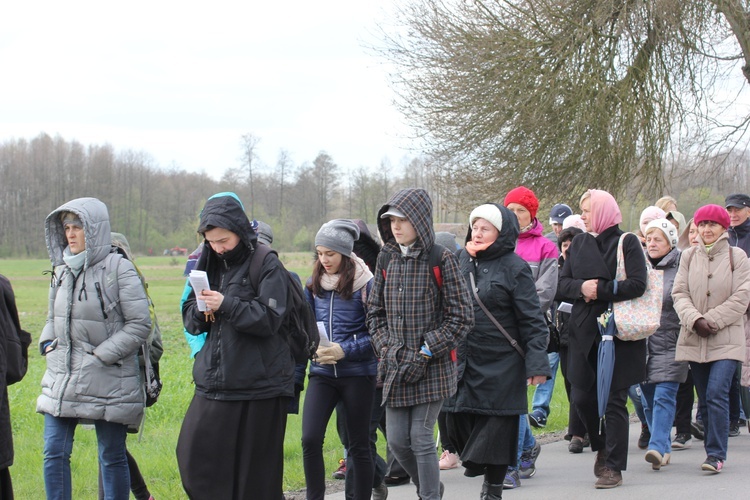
[
  {"x": 543, "y": 392},
  {"x": 411, "y": 437},
  {"x": 659, "y": 404},
  {"x": 58, "y": 446},
  {"x": 634, "y": 393},
  {"x": 712, "y": 381},
  {"x": 526, "y": 440}
]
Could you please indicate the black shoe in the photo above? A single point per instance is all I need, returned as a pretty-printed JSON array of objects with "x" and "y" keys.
[
  {"x": 538, "y": 419},
  {"x": 644, "y": 438},
  {"x": 696, "y": 429},
  {"x": 576, "y": 445},
  {"x": 396, "y": 480},
  {"x": 734, "y": 429},
  {"x": 681, "y": 442}
]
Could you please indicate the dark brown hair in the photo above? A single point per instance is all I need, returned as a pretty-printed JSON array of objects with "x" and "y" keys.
[{"x": 346, "y": 278}]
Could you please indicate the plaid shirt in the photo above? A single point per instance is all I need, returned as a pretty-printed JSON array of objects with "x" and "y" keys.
[{"x": 406, "y": 310}]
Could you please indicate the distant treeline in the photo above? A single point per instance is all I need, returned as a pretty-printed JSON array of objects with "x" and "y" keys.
[{"x": 157, "y": 208}]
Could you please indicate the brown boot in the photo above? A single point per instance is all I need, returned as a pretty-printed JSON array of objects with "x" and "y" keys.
[
  {"x": 609, "y": 479},
  {"x": 599, "y": 464}
]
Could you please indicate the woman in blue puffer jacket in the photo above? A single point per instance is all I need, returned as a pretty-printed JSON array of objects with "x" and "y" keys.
[{"x": 344, "y": 368}]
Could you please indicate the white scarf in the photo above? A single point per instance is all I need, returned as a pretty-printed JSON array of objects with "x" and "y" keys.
[{"x": 362, "y": 276}]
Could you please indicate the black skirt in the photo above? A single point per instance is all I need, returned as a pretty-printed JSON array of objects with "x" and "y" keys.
[
  {"x": 233, "y": 449},
  {"x": 482, "y": 440}
]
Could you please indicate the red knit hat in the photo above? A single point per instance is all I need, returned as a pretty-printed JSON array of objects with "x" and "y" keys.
[
  {"x": 713, "y": 213},
  {"x": 525, "y": 197}
]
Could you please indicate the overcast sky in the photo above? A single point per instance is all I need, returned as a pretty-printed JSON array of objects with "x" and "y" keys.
[{"x": 184, "y": 80}]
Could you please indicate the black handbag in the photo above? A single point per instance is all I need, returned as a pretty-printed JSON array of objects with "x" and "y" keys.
[{"x": 553, "y": 343}]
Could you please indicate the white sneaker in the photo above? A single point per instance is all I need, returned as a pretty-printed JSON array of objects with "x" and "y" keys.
[{"x": 448, "y": 460}]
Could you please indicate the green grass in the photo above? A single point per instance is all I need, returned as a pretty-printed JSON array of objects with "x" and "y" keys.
[{"x": 155, "y": 450}]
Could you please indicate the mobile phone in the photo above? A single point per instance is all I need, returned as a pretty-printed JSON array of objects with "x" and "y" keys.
[{"x": 50, "y": 347}]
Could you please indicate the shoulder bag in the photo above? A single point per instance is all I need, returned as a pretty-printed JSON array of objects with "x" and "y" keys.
[{"x": 638, "y": 318}]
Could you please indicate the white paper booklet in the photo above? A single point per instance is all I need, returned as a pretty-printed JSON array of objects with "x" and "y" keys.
[
  {"x": 565, "y": 307},
  {"x": 324, "y": 340},
  {"x": 199, "y": 282}
]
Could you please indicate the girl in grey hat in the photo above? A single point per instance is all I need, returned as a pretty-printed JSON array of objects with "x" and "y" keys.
[{"x": 344, "y": 368}]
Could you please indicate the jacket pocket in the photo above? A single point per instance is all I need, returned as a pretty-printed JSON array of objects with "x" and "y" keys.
[
  {"x": 95, "y": 379},
  {"x": 413, "y": 368}
]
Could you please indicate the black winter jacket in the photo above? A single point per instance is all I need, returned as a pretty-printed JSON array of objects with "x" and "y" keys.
[
  {"x": 245, "y": 357},
  {"x": 739, "y": 236},
  {"x": 592, "y": 257},
  {"x": 493, "y": 374},
  {"x": 11, "y": 370}
]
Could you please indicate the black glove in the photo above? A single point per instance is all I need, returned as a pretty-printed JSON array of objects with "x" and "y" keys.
[{"x": 701, "y": 328}]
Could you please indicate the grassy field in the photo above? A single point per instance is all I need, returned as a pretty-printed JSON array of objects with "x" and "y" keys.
[{"x": 154, "y": 450}]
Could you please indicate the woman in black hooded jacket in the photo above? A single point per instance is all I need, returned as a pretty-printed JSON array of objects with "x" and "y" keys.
[{"x": 483, "y": 416}]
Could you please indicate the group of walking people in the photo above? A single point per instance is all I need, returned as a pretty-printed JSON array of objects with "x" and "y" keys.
[{"x": 414, "y": 330}]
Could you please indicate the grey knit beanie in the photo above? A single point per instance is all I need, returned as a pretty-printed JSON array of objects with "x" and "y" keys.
[{"x": 338, "y": 235}]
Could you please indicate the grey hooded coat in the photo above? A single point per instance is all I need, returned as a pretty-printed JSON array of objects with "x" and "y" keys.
[{"x": 100, "y": 318}]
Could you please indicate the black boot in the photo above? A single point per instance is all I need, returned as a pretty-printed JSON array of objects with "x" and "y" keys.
[{"x": 491, "y": 491}]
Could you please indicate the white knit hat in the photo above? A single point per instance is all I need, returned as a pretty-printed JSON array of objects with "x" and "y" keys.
[
  {"x": 488, "y": 212},
  {"x": 666, "y": 227}
]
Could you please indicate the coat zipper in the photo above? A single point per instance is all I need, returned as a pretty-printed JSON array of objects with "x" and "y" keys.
[{"x": 330, "y": 328}]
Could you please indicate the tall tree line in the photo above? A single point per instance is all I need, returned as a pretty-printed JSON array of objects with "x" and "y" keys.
[{"x": 158, "y": 208}]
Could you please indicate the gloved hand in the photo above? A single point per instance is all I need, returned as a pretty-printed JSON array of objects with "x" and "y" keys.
[
  {"x": 328, "y": 355},
  {"x": 702, "y": 328}
]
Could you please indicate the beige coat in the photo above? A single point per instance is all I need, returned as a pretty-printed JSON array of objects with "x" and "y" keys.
[
  {"x": 706, "y": 287},
  {"x": 745, "y": 381}
]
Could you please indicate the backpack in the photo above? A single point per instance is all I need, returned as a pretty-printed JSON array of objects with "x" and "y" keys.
[
  {"x": 152, "y": 350},
  {"x": 299, "y": 325}
]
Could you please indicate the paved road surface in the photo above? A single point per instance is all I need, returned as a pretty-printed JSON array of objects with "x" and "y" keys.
[{"x": 562, "y": 475}]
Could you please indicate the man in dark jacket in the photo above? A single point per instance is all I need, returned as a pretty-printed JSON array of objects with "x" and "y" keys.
[
  {"x": 14, "y": 344},
  {"x": 738, "y": 208},
  {"x": 231, "y": 443},
  {"x": 414, "y": 325}
]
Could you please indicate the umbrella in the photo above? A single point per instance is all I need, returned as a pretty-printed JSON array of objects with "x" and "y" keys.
[{"x": 606, "y": 361}]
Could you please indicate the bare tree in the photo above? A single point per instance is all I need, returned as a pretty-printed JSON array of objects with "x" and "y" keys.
[
  {"x": 566, "y": 94},
  {"x": 283, "y": 168},
  {"x": 325, "y": 172},
  {"x": 249, "y": 156}
]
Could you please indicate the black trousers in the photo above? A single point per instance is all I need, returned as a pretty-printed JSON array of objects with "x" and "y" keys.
[
  {"x": 233, "y": 450},
  {"x": 323, "y": 393},
  {"x": 684, "y": 410},
  {"x": 6, "y": 485},
  {"x": 380, "y": 466},
  {"x": 614, "y": 436},
  {"x": 575, "y": 424}
]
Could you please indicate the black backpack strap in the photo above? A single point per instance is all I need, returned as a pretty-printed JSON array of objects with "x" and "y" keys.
[{"x": 256, "y": 263}]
